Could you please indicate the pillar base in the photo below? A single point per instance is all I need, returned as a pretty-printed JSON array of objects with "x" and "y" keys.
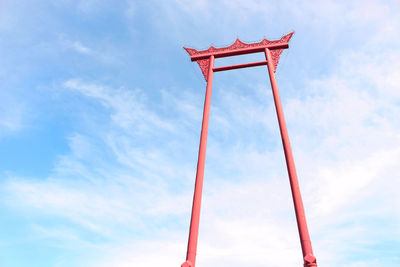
[
  {"x": 310, "y": 261},
  {"x": 187, "y": 264}
]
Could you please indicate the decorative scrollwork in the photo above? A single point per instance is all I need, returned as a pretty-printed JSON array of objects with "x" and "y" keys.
[{"x": 204, "y": 63}]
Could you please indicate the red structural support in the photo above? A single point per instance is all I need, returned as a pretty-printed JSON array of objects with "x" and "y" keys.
[
  {"x": 195, "y": 220},
  {"x": 240, "y": 66},
  {"x": 205, "y": 59},
  {"x": 309, "y": 259}
]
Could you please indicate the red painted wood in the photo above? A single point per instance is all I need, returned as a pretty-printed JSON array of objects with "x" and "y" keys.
[
  {"x": 308, "y": 256},
  {"x": 240, "y": 66},
  {"x": 195, "y": 220},
  {"x": 238, "y": 52},
  {"x": 239, "y": 48}
]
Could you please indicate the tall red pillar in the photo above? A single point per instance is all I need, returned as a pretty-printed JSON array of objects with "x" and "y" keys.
[
  {"x": 308, "y": 256},
  {"x": 198, "y": 188}
]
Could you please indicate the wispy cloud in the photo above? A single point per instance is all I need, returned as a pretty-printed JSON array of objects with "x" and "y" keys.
[
  {"x": 81, "y": 48},
  {"x": 13, "y": 114}
]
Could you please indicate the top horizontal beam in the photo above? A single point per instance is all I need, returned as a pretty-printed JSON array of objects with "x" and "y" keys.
[{"x": 242, "y": 51}]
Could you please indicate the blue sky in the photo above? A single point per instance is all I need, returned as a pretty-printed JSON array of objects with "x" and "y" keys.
[{"x": 100, "y": 116}]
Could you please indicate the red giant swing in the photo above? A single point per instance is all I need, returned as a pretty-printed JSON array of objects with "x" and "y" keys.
[{"x": 205, "y": 59}]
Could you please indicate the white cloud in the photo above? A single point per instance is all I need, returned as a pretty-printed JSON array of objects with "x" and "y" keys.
[
  {"x": 128, "y": 106},
  {"x": 81, "y": 48},
  {"x": 13, "y": 114}
]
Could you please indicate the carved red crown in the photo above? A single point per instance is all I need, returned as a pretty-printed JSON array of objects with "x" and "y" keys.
[{"x": 203, "y": 57}]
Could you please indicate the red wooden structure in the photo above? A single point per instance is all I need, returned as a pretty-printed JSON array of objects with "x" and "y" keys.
[{"x": 205, "y": 59}]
